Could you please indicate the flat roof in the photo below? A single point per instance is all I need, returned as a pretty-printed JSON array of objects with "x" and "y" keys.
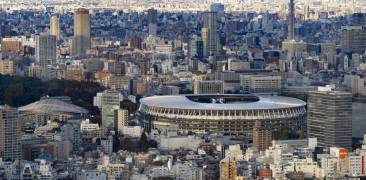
[{"x": 264, "y": 102}]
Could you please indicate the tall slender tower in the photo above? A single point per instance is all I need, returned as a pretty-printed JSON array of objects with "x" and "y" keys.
[
  {"x": 209, "y": 30},
  {"x": 152, "y": 17},
  {"x": 81, "y": 41},
  {"x": 55, "y": 27},
  {"x": 291, "y": 20},
  {"x": 9, "y": 133}
]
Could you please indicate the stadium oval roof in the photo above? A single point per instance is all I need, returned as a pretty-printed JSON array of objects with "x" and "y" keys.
[
  {"x": 263, "y": 102},
  {"x": 53, "y": 106}
]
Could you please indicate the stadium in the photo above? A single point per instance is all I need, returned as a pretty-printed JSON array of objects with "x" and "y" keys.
[{"x": 224, "y": 114}]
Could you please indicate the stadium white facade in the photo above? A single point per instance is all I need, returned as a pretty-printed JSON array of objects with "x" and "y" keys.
[{"x": 221, "y": 114}]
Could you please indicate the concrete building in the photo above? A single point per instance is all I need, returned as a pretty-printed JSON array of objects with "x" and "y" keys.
[
  {"x": 330, "y": 117},
  {"x": 262, "y": 137},
  {"x": 6, "y": 67},
  {"x": 355, "y": 84},
  {"x": 55, "y": 27},
  {"x": 81, "y": 41},
  {"x": 260, "y": 84},
  {"x": 46, "y": 49},
  {"x": 132, "y": 131},
  {"x": 195, "y": 47},
  {"x": 152, "y": 17},
  {"x": 11, "y": 47},
  {"x": 108, "y": 101},
  {"x": 91, "y": 175},
  {"x": 10, "y": 132},
  {"x": 228, "y": 169},
  {"x": 210, "y": 34},
  {"x": 107, "y": 145},
  {"x": 120, "y": 119},
  {"x": 208, "y": 87},
  {"x": 353, "y": 39},
  {"x": 169, "y": 90}
]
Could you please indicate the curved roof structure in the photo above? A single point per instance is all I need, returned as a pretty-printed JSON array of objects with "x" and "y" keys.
[
  {"x": 260, "y": 102},
  {"x": 53, "y": 106}
]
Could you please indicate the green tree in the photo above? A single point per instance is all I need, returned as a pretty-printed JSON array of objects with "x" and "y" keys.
[
  {"x": 126, "y": 144},
  {"x": 144, "y": 144}
]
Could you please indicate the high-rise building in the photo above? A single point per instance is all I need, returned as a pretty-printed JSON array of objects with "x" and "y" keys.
[
  {"x": 55, "y": 27},
  {"x": 217, "y": 7},
  {"x": 209, "y": 34},
  {"x": 6, "y": 67},
  {"x": 81, "y": 42},
  {"x": 353, "y": 39},
  {"x": 195, "y": 47},
  {"x": 120, "y": 119},
  {"x": 291, "y": 20},
  {"x": 152, "y": 18},
  {"x": 262, "y": 136},
  {"x": 330, "y": 117},
  {"x": 108, "y": 101},
  {"x": 208, "y": 87},
  {"x": 205, "y": 39},
  {"x": 46, "y": 49},
  {"x": 9, "y": 133},
  {"x": 228, "y": 169}
]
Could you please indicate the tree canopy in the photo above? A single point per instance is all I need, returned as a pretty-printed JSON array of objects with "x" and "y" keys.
[{"x": 19, "y": 91}]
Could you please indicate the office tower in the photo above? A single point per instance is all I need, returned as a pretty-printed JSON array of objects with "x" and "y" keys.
[
  {"x": 195, "y": 47},
  {"x": 6, "y": 67},
  {"x": 217, "y": 7},
  {"x": 262, "y": 136},
  {"x": 120, "y": 119},
  {"x": 260, "y": 84},
  {"x": 81, "y": 42},
  {"x": 152, "y": 18},
  {"x": 209, "y": 34},
  {"x": 9, "y": 133},
  {"x": 46, "y": 49},
  {"x": 330, "y": 117},
  {"x": 353, "y": 39},
  {"x": 291, "y": 20},
  {"x": 55, "y": 27},
  {"x": 107, "y": 102},
  {"x": 208, "y": 87},
  {"x": 228, "y": 169},
  {"x": 205, "y": 39}
]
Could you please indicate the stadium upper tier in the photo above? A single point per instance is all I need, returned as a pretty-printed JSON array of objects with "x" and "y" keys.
[
  {"x": 221, "y": 113},
  {"x": 230, "y": 102}
]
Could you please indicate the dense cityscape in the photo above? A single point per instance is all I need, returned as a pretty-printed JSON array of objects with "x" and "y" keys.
[{"x": 182, "y": 89}]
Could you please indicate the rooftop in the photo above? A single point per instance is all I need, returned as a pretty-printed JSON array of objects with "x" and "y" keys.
[
  {"x": 53, "y": 106},
  {"x": 250, "y": 102}
]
